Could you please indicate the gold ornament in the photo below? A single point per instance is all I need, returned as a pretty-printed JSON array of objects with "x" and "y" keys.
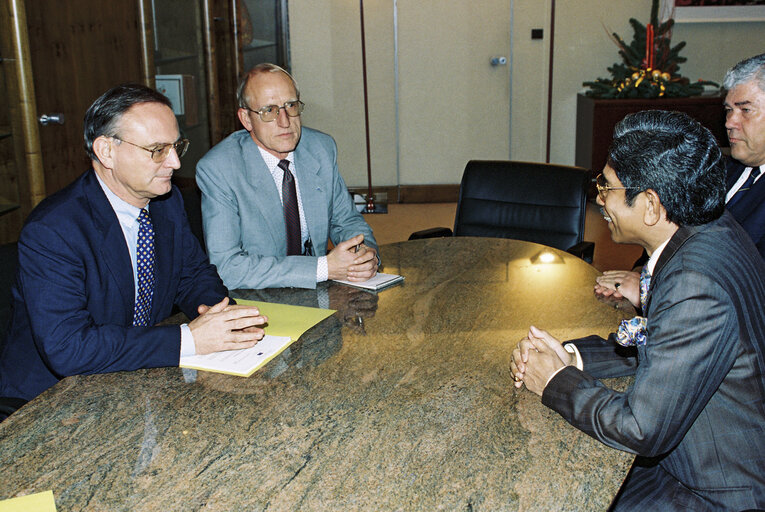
[
  {"x": 655, "y": 74},
  {"x": 665, "y": 76}
]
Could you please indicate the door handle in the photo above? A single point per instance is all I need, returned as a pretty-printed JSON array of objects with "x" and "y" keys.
[{"x": 47, "y": 119}]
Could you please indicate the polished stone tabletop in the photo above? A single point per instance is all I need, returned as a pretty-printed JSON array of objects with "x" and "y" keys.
[{"x": 400, "y": 401}]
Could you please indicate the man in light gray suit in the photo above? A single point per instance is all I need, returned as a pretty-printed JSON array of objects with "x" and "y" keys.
[
  {"x": 695, "y": 413},
  {"x": 272, "y": 197}
]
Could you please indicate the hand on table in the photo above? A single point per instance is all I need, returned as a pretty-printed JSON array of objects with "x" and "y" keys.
[
  {"x": 226, "y": 327},
  {"x": 345, "y": 262},
  {"x": 536, "y": 358},
  {"x": 619, "y": 284}
]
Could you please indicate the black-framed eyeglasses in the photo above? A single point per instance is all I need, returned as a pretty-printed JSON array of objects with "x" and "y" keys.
[
  {"x": 603, "y": 187},
  {"x": 160, "y": 152},
  {"x": 271, "y": 112}
]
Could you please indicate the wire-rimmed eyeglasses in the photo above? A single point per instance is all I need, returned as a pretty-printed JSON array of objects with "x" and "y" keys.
[
  {"x": 603, "y": 187},
  {"x": 271, "y": 112},
  {"x": 160, "y": 152}
]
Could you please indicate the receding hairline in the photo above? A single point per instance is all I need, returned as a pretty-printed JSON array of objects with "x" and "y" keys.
[
  {"x": 131, "y": 113},
  {"x": 262, "y": 70}
]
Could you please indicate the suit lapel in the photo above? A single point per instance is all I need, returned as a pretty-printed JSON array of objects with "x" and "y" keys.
[
  {"x": 114, "y": 250},
  {"x": 266, "y": 197},
  {"x": 678, "y": 239},
  {"x": 733, "y": 169},
  {"x": 164, "y": 241},
  {"x": 315, "y": 199},
  {"x": 749, "y": 201}
]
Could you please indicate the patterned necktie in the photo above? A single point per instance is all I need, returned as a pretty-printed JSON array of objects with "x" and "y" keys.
[
  {"x": 632, "y": 332},
  {"x": 144, "y": 269},
  {"x": 746, "y": 186},
  {"x": 291, "y": 214}
]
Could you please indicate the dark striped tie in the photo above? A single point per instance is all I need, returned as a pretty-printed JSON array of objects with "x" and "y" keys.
[
  {"x": 291, "y": 213},
  {"x": 144, "y": 269},
  {"x": 740, "y": 193}
]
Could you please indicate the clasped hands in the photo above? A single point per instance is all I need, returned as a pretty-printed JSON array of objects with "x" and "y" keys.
[
  {"x": 536, "y": 358},
  {"x": 226, "y": 326},
  {"x": 352, "y": 260}
]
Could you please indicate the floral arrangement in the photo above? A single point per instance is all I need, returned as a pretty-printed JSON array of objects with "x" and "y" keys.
[{"x": 650, "y": 66}]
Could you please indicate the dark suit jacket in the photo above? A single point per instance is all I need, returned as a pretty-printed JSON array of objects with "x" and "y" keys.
[
  {"x": 697, "y": 403},
  {"x": 750, "y": 210},
  {"x": 74, "y": 293}
]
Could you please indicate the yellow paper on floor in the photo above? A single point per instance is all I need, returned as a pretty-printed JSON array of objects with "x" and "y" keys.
[
  {"x": 287, "y": 320},
  {"x": 38, "y": 502}
]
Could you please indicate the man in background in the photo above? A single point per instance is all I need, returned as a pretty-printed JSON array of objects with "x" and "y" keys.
[
  {"x": 105, "y": 259},
  {"x": 695, "y": 413},
  {"x": 272, "y": 197}
]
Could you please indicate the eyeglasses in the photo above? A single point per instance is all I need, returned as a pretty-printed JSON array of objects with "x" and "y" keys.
[
  {"x": 603, "y": 187},
  {"x": 160, "y": 153},
  {"x": 271, "y": 112}
]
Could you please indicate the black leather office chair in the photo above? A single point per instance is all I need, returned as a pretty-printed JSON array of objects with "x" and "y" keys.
[{"x": 529, "y": 201}]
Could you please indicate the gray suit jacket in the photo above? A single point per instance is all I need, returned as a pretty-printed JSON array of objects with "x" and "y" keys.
[
  {"x": 244, "y": 220},
  {"x": 697, "y": 404}
]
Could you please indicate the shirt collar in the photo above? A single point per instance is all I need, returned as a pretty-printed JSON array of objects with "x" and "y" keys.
[
  {"x": 124, "y": 210},
  {"x": 271, "y": 161},
  {"x": 655, "y": 256}
]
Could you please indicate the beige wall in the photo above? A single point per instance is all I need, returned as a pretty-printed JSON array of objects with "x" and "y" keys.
[{"x": 326, "y": 60}]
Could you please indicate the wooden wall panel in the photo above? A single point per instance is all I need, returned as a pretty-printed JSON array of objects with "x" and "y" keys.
[{"x": 79, "y": 49}]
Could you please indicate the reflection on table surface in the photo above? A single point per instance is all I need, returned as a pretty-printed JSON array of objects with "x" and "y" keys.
[{"x": 400, "y": 401}]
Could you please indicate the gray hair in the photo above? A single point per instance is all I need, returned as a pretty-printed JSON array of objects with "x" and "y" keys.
[
  {"x": 264, "y": 67},
  {"x": 749, "y": 69}
]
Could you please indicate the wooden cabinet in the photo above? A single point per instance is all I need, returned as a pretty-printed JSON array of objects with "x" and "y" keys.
[{"x": 596, "y": 118}]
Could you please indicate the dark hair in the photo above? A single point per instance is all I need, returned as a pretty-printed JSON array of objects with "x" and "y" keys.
[
  {"x": 672, "y": 154},
  {"x": 260, "y": 69},
  {"x": 105, "y": 113}
]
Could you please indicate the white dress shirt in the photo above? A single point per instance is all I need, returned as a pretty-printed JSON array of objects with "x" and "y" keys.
[
  {"x": 272, "y": 162},
  {"x": 127, "y": 215},
  {"x": 741, "y": 179}
]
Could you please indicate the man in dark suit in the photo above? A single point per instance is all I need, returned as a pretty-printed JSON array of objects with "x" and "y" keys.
[
  {"x": 106, "y": 258},
  {"x": 745, "y": 123},
  {"x": 695, "y": 413}
]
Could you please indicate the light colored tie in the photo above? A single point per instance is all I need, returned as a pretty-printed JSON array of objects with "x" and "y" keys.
[
  {"x": 633, "y": 331},
  {"x": 144, "y": 269}
]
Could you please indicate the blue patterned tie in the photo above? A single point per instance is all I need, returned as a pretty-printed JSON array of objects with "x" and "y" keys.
[
  {"x": 144, "y": 269},
  {"x": 632, "y": 332}
]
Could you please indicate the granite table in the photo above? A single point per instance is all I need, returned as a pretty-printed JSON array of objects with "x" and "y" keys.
[{"x": 399, "y": 401}]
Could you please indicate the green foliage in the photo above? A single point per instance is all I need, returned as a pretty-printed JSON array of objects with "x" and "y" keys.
[{"x": 635, "y": 78}]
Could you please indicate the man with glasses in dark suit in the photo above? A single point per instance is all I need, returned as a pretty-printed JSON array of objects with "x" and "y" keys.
[
  {"x": 695, "y": 413},
  {"x": 745, "y": 123},
  {"x": 104, "y": 260}
]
